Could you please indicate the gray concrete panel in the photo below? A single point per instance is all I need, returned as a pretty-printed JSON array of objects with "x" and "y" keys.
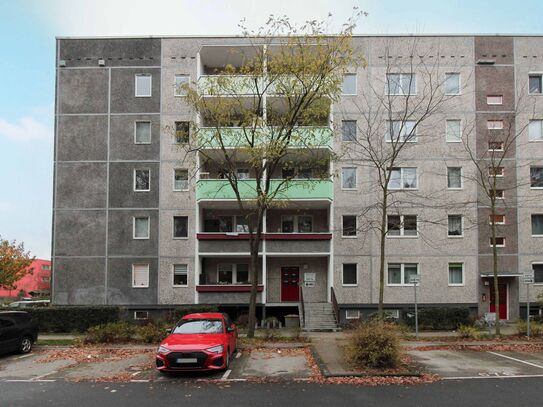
[
  {"x": 121, "y": 186},
  {"x": 122, "y": 139},
  {"x": 81, "y": 185},
  {"x": 79, "y": 281},
  {"x": 83, "y": 91},
  {"x": 123, "y": 84},
  {"x": 82, "y": 138},
  {"x": 119, "y": 276},
  {"x": 121, "y": 240},
  {"x": 80, "y": 233}
]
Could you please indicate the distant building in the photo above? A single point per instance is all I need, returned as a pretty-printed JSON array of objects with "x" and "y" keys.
[{"x": 37, "y": 284}]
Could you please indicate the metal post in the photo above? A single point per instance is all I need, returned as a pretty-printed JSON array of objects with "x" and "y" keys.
[
  {"x": 416, "y": 313},
  {"x": 528, "y": 310}
]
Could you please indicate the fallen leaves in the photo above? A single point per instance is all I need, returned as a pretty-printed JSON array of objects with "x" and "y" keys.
[{"x": 494, "y": 347}]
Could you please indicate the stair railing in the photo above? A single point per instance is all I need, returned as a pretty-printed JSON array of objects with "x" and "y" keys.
[
  {"x": 335, "y": 305},
  {"x": 301, "y": 308}
]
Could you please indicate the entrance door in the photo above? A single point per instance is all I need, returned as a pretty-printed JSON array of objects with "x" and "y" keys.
[
  {"x": 502, "y": 292},
  {"x": 290, "y": 290}
]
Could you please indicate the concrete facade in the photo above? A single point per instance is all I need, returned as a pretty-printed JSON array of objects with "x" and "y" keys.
[{"x": 95, "y": 202}]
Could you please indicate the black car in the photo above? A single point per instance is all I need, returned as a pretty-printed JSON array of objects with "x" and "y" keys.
[{"x": 17, "y": 332}]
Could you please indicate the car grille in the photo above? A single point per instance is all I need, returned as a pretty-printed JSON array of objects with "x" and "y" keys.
[{"x": 199, "y": 356}]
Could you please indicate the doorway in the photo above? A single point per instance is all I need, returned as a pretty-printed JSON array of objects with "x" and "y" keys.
[
  {"x": 502, "y": 293},
  {"x": 290, "y": 287}
]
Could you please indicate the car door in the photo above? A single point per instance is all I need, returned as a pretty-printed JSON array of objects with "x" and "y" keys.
[
  {"x": 9, "y": 334},
  {"x": 230, "y": 333}
]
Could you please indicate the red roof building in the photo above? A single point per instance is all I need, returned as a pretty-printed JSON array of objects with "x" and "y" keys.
[{"x": 37, "y": 284}]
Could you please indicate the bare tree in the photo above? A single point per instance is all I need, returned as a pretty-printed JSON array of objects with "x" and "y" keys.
[{"x": 302, "y": 67}]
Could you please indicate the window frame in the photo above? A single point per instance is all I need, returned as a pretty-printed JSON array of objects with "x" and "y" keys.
[
  {"x": 355, "y": 84},
  {"x": 540, "y": 76},
  {"x": 343, "y": 284},
  {"x": 136, "y": 132},
  {"x": 135, "y": 183},
  {"x": 186, "y": 273},
  {"x": 537, "y": 263},
  {"x": 402, "y": 179},
  {"x": 402, "y": 136},
  {"x": 343, "y": 188},
  {"x": 402, "y": 227},
  {"x": 497, "y": 245},
  {"x": 175, "y": 139},
  {"x": 461, "y": 179},
  {"x": 536, "y": 140},
  {"x": 134, "y": 265},
  {"x": 295, "y": 221},
  {"x": 494, "y": 96},
  {"x": 462, "y": 284},
  {"x": 402, "y": 275},
  {"x": 343, "y": 139},
  {"x": 492, "y": 128},
  {"x": 532, "y": 224},
  {"x": 234, "y": 268},
  {"x": 539, "y": 167},
  {"x": 145, "y": 318},
  {"x": 447, "y": 121},
  {"x": 174, "y": 174},
  {"x": 496, "y": 149},
  {"x": 352, "y": 310},
  {"x": 501, "y": 174},
  {"x": 175, "y": 86},
  {"x": 401, "y": 74},
  {"x": 343, "y": 235},
  {"x": 461, "y": 225},
  {"x": 503, "y": 222},
  {"x": 143, "y": 75},
  {"x": 134, "y": 227},
  {"x": 173, "y": 227},
  {"x": 457, "y": 74}
]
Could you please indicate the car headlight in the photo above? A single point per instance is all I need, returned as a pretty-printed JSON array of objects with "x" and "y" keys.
[
  {"x": 216, "y": 349},
  {"x": 163, "y": 349}
]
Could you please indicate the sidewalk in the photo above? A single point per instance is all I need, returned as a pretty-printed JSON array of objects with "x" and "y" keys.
[{"x": 56, "y": 337}]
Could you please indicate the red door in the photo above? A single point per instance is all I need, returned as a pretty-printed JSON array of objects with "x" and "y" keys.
[
  {"x": 290, "y": 290},
  {"x": 502, "y": 292}
]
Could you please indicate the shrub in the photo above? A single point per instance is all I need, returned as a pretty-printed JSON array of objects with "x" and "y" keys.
[
  {"x": 374, "y": 344},
  {"x": 116, "y": 332},
  {"x": 152, "y": 333},
  {"x": 445, "y": 318},
  {"x": 467, "y": 332},
  {"x": 536, "y": 328},
  {"x": 70, "y": 319}
]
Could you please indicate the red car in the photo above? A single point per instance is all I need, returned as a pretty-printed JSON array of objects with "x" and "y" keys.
[{"x": 203, "y": 341}]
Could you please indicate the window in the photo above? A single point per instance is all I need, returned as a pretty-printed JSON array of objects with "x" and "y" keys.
[
  {"x": 182, "y": 132},
  {"x": 46, "y": 267},
  {"x": 348, "y": 130},
  {"x": 456, "y": 273},
  {"x": 142, "y": 180},
  {"x": 402, "y": 131},
  {"x": 538, "y": 273},
  {"x": 500, "y": 241},
  {"x": 180, "y": 180},
  {"x": 495, "y": 146},
  {"x": 241, "y": 224},
  {"x": 349, "y": 84},
  {"x": 498, "y": 193},
  {"x": 226, "y": 224},
  {"x": 242, "y": 173},
  {"x": 536, "y": 177},
  {"x": 402, "y": 225},
  {"x": 349, "y": 226},
  {"x": 297, "y": 224},
  {"x": 403, "y": 178},
  {"x": 143, "y": 85},
  {"x": 228, "y": 273},
  {"x": 45, "y": 279},
  {"x": 180, "y": 275},
  {"x": 180, "y": 227},
  {"x": 352, "y": 314},
  {"x": 142, "y": 132},
  {"x": 141, "y": 227},
  {"x": 348, "y": 178},
  {"x": 537, "y": 225},
  {"x": 535, "y": 84},
  {"x": 495, "y": 171},
  {"x": 498, "y": 219},
  {"x": 400, "y": 273},
  {"x": 180, "y": 85},
  {"x": 401, "y": 84},
  {"x": 140, "y": 275},
  {"x": 453, "y": 131},
  {"x": 455, "y": 227},
  {"x": 454, "y": 177},
  {"x": 494, "y": 124},
  {"x": 452, "y": 83},
  {"x": 349, "y": 275},
  {"x": 494, "y": 100},
  {"x": 141, "y": 315},
  {"x": 535, "y": 130}
]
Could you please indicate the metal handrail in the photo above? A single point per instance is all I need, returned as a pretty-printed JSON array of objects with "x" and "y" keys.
[
  {"x": 335, "y": 305},
  {"x": 302, "y": 308}
]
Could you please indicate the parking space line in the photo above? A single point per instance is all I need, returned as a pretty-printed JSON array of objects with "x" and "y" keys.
[
  {"x": 226, "y": 374},
  {"x": 492, "y": 377},
  {"x": 29, "y": 380},
  {"x": 238, "y": 355},
  {"x": 516, "y": 360}
]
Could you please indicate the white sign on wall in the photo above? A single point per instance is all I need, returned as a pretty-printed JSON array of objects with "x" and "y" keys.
[{"x": 310, "y": 277}]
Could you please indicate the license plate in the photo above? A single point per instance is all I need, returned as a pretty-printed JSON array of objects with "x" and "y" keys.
[{"x": 187, "y": 360}]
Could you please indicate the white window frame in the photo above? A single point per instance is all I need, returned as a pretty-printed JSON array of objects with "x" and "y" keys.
[
  {"x": 138, "y": 318},
  {"x": 150, "y": 131},
  {"x": 530, "y": 176},
  {"x": 497, "y": 223},
  {"x": 461, "y": 180},
  {"x": 494, "y": 96},
  {"x": 173, "y": 228},
  {"x": 490, "y": 126},
  {"x": 459, "y": 83},
  {"x": 536, "y": 263},
  {"x": 402, "y": 275},
  {"x": 294, "y": 219},
  {"x": 531, "y": 226},
  {"x": 352, "y": 317},
  {"x": 175, "y": 88},
  {"x": 355, "y": 179},
  {"x": 186, "y": 272},
  {"x": 343, "y": 275},
  {"x": 402, "y": 137},
  {"x": 134, "y": 265},
  {"x": 142, "y": 190},
  {"x": 500, "y": 175},
  {"x": 150, "y": 76},
  {"x": 462, "y": 226},
  {"x": 134, "y": 227},
  {"x": 449, "y": 274},
  {"x": 402, "y": 231},
  {"x": 355, "y": 130},
  {"x": 540, "y": 74},
  {"x": 402, "y": 179},
  {"x": 447, "y": 121},
  {"x": 496, "y": 149},
  {"x": 536, "y": 140},
  {"x": 502, "y": 192},
  {"x": 343, "y": 229},
  {"x": 355, "y": 84},
  {"x": 180, "y": 190},
  {"x": 414, "y": 79},
  {"x": 234, "y": 272},
  {"x": 497, "y": 245},
  {"x": 175, "y": 139}
]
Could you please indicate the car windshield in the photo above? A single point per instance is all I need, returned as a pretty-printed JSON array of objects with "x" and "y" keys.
[{"x": 199, "y": 326}]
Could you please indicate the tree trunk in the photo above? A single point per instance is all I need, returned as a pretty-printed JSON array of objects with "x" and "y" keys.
[
  {"x": 255, "y": 246},
  {"x": 382, "y": 243},
  {"x": 495, "y": 265}
]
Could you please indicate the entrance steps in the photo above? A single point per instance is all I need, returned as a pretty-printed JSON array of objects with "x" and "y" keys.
[{"x": 319, "y": 317}]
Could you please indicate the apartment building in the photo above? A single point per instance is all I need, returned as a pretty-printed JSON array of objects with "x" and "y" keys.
[{"x": 140, "y": 222}]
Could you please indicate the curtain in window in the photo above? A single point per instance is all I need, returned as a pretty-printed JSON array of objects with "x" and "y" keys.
[
  {"x": 455, "y": 225},
  {"x": 410, "y": 178},
  {"x": 454, "y": 178},
  {"x": 537, "y": 224},
  {"x": 394, "y": 274},
  {"x": 141, "y": 227}
]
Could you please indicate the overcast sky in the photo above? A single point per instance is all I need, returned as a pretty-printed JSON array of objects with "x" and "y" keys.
[{"x": 27, "y": 48}]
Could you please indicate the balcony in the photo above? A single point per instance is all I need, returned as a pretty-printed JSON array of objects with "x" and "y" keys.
[
  {"x": 236, "y": 137},
  {"x": 306, "y": 189},
  {"x": 229, "y": 85}
]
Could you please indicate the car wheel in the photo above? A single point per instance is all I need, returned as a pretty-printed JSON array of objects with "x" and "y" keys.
[
  {"x": 26, "y": 344},
  {"x": 227, "y": 366}
]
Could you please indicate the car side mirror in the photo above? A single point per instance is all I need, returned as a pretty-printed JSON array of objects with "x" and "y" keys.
[
  {"x": 230, "y": 329},
  {"x": 169, "y": 330}
]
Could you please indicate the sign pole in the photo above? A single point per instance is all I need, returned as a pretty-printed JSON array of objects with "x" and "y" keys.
[
  {"x": 528, "y": 310},
  {"x": 416, "y": 313}
]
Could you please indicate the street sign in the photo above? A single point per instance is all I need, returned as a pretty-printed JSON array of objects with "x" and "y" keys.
[
  {"x": 528, "y": 278},
  {"x": 415, "y": 278}
]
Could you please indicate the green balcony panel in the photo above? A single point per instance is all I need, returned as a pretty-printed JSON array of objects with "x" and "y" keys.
[
  {"x": 307, "y": 189},
  {"x": 233, "y": 85}
]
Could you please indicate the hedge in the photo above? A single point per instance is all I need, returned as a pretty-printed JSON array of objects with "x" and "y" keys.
[
  {"x": 434, "y": 319},
  {"x": 70, "y": 319}
]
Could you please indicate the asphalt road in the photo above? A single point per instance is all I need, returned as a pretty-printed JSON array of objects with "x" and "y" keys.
[{"x": 479, "y": 392}]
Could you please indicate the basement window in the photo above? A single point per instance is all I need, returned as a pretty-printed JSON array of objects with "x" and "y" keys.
[{"x": 141, "y": 315}]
